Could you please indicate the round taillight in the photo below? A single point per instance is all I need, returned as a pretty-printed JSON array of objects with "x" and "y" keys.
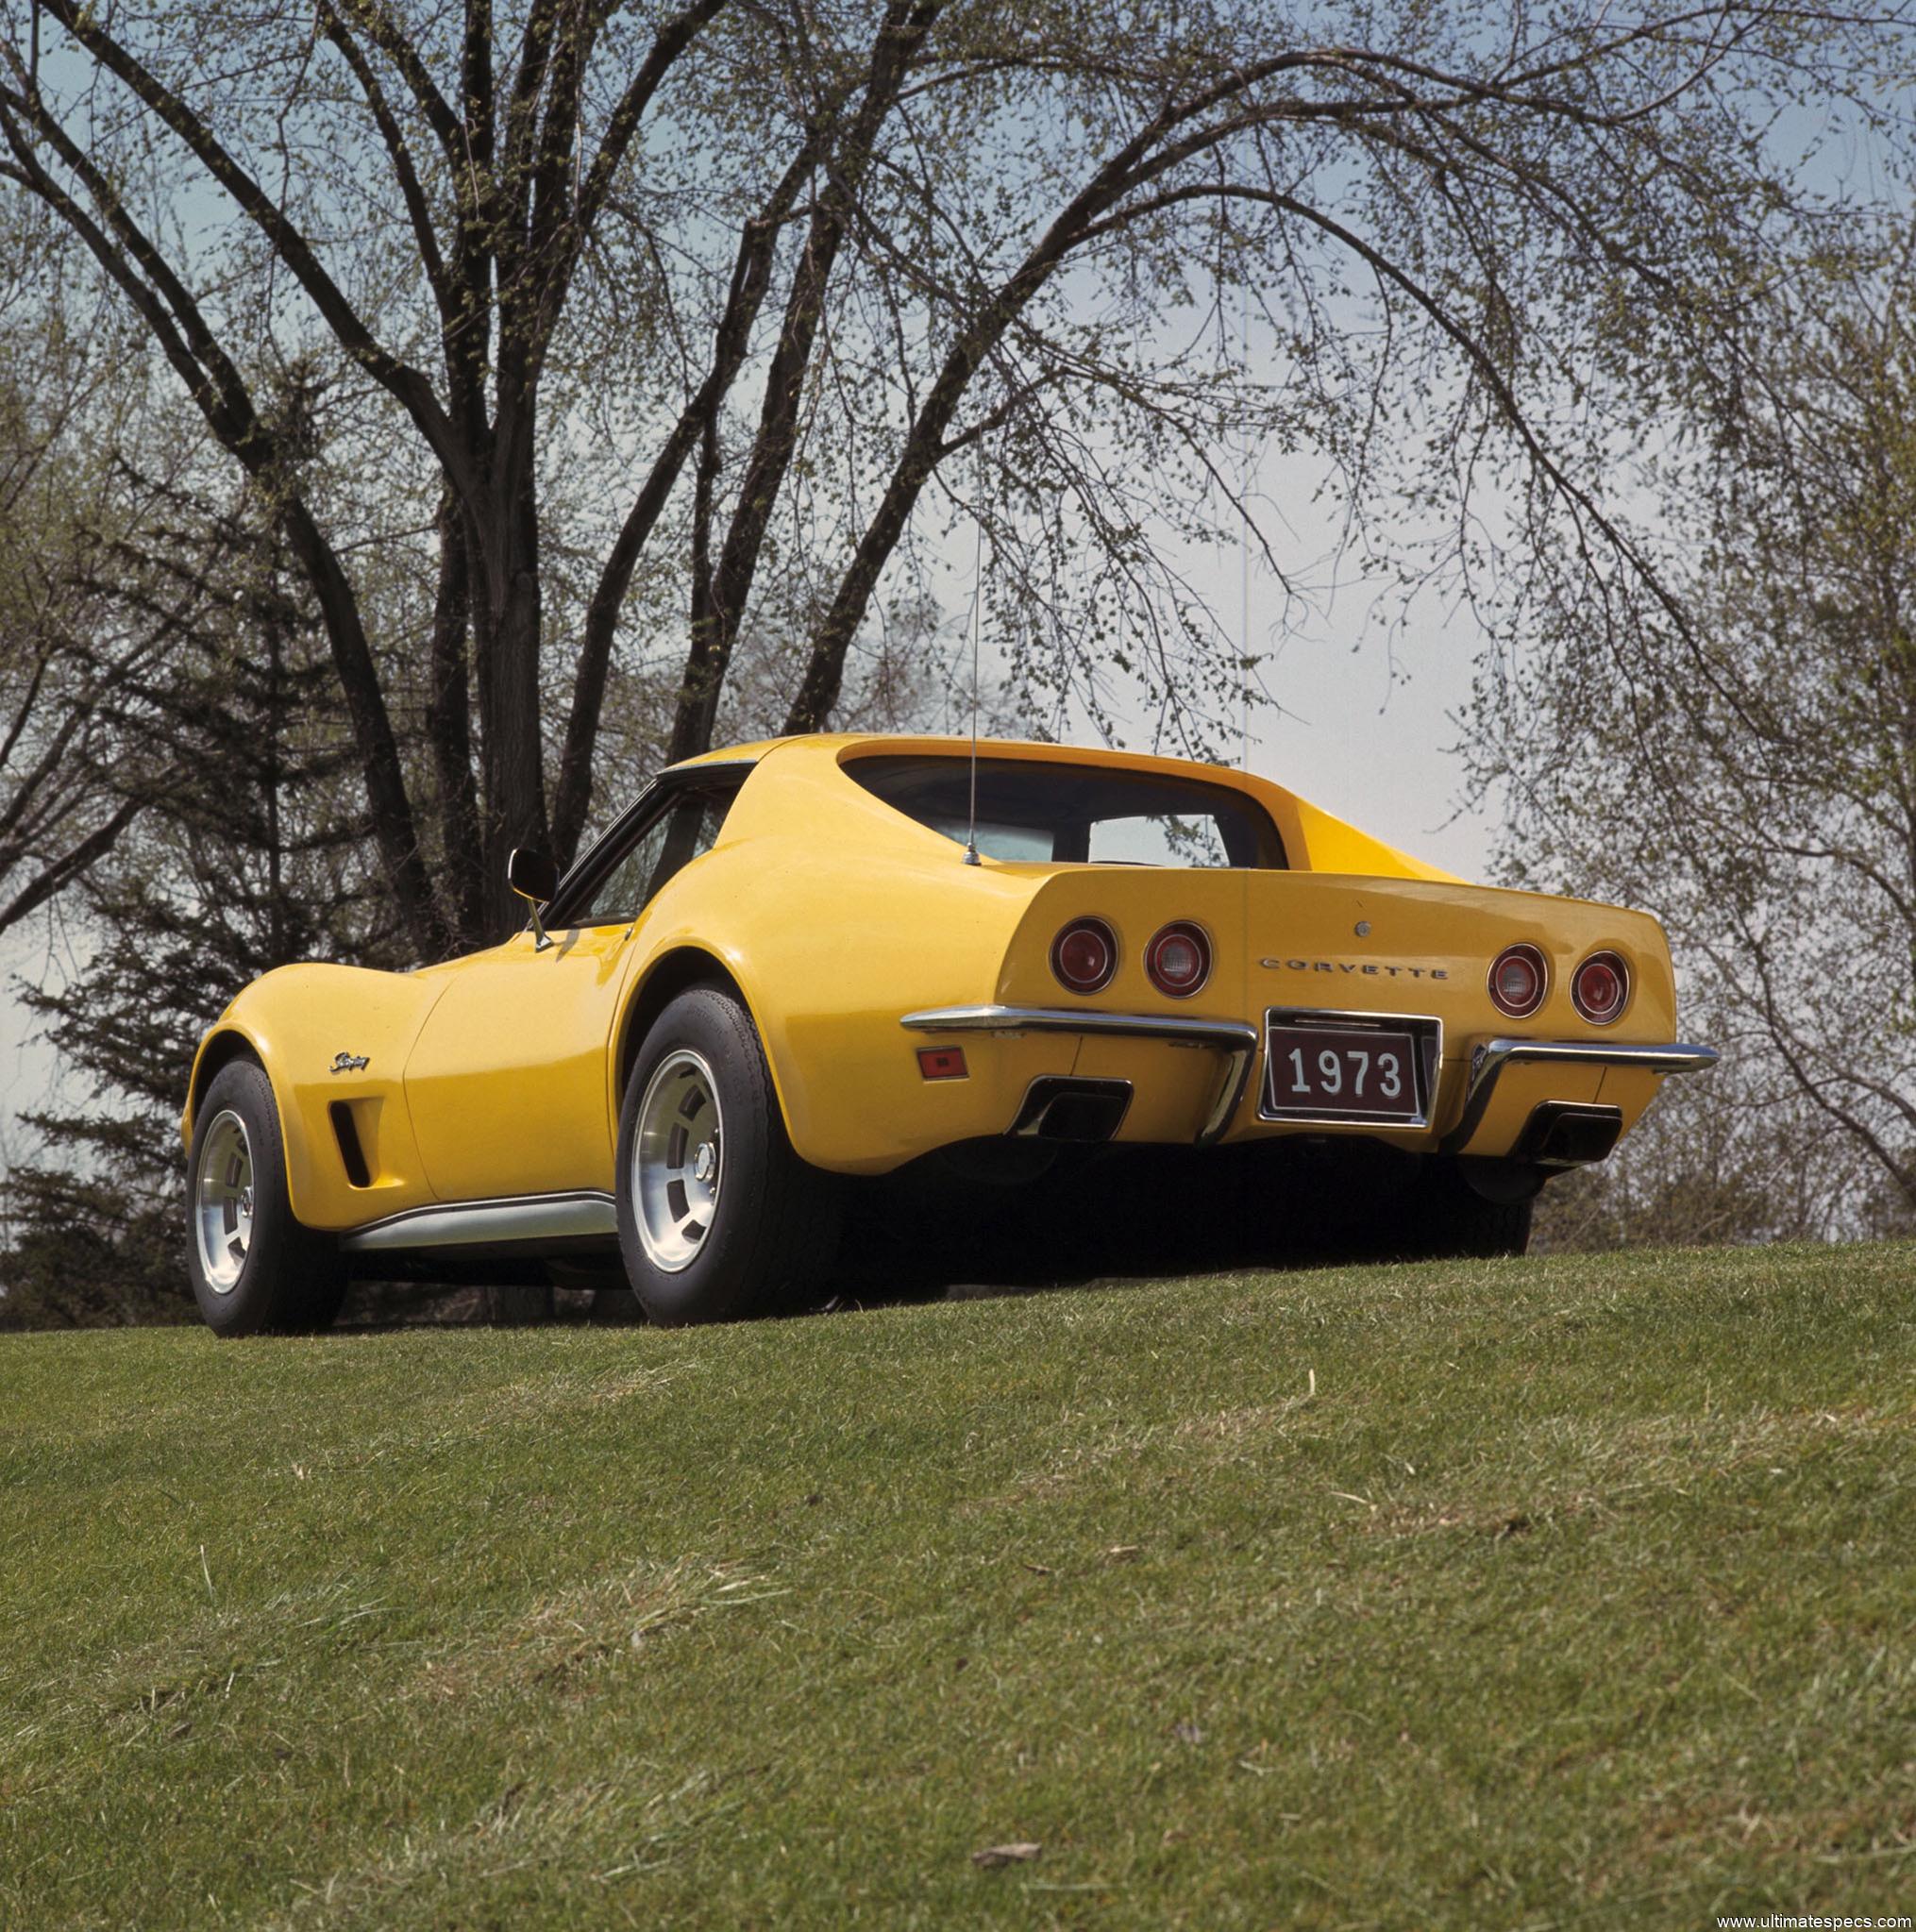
[
  {"x": 1518, "y": 979},
  {"x": 1178, "y": 961},
  {"x": 1085, "y": 955},
  {"x": 1600, "y": 988}
]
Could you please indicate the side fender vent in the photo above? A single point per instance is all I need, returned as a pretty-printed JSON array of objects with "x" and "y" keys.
[{"x": 352, "y": 1155}]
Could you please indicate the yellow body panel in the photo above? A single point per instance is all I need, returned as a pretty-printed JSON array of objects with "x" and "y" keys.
[
  {"x": 506, "y": 1083},
  {"x": 835, "y": 915},
  {"x": 298, "y": 1021}
]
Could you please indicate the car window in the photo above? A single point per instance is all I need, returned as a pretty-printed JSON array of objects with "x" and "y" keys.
[
  {"x": 997, "y": 841},
  {"x": 1157, "y": 838},
  {"x": 1056, "y": 812},
  {"x": 679, "y": 833}
]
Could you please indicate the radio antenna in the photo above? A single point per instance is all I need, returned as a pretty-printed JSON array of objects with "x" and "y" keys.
[
  {"x": 977, "y": 605},
  {"x": 1244, "y": 554}
]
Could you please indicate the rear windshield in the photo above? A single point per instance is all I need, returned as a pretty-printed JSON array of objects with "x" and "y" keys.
[{"x": 1077, "y": 813}]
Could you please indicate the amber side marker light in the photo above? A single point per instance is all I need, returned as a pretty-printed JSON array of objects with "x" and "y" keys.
[
  {"x": 1600, "y": 988},
  {"x": 1518, "y": 979},
  {"x": 942, "y": 1063},
  {"x": 1178, "y": 960},
  {"x": 1085, "y": 955}
]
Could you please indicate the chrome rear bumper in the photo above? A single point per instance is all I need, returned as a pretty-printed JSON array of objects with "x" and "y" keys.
[
  {"x": 1491, "y": 1057},
  {"x": 1239, "y": 1040}
]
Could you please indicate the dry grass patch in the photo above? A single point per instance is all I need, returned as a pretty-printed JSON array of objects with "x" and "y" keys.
[
  {"x": 590, "y": 1836},
  {"x": 592, "y": 1625}
]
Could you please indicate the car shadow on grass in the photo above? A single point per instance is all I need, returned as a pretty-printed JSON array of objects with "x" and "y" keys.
[
  {"x": 944, "y": 1230},
  {"x": 987, "y": 1220}
]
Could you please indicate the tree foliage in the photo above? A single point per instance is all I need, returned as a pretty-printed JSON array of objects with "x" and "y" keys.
[
  {"x": 669, "y": 322},
  {"x": 1752, "y": 773},
  {"x": 1735, "y": 1158},
  {"x": 256, "y": 857},
  {"x": 72, "y": 775}
]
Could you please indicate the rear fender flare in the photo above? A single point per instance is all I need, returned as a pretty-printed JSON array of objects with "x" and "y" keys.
[{"x": 661, "y": 980}]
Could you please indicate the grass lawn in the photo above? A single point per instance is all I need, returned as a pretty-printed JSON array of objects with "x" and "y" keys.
[{"x": 1559, "y": 1593}]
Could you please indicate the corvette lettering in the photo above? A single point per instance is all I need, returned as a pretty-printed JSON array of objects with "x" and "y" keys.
[{"x": 1374, "y": 967}]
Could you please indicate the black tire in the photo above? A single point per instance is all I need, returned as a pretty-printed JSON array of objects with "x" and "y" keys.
[
  {"x": 772, "y": 1232},
  {"x": 1447, "y": 1219},
  {"x": 285, "y": 1279}
]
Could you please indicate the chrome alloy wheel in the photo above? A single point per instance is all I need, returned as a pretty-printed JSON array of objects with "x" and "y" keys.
[
  {"x": 222, "y": 1201},
  {"x": 677, "y": 1161}
]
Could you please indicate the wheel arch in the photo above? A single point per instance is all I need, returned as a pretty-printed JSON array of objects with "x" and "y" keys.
[
  {"x": 218, "y": 1051},
  {"x": 674, "y": 972}
]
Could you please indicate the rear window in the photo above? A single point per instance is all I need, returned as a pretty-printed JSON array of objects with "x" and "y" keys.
[{"x": 1061, "y": 813}]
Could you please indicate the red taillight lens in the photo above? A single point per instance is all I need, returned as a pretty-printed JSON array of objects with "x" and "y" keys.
[
  {"x": 1601, "y": 986},
  {"x": 1085, "y": 955},
  {"x": 1518, "y": 979},
  {"x": 1178, "y": 961}
]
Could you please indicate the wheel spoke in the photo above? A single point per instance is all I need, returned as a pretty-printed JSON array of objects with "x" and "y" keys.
[
  {"x": 222, "y": 1201},
  {"x": 676, "y": 1160}
]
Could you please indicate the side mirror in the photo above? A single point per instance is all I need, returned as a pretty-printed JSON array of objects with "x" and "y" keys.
[{"x": 532, "y": 875}]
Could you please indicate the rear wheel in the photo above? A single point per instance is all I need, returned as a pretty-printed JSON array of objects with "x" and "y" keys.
[
  {"x": 1447, "y": 1218},
  {"x": 718, "y": 1217},
  {"x": 255, "y": 1270}
]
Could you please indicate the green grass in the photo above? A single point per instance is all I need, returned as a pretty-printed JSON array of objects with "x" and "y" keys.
[{"x": 1580, "y": 1592}]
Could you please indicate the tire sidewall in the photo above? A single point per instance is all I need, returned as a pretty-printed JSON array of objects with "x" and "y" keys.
[
  {"x": 259, "y": 1298},
  {"x": 1452, "y": 1219},
  {"x": 709, "y": 1288}
]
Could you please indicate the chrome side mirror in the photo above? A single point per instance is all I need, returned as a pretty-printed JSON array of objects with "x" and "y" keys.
[{"x": 532, "y": 875}]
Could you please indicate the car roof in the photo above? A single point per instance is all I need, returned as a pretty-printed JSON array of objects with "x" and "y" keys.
[{"x": 833, "y": 744}]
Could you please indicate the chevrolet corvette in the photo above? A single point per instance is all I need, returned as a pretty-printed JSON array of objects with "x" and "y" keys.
[{"x": 794, "y": 965}]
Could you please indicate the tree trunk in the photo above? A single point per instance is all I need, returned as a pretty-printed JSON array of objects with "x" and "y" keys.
[
  {"x": 448, "y": 730},
  {"x": 506, "y": 638}
]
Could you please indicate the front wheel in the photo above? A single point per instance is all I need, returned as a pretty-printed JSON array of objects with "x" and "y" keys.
[
  {"x": 255, "y": 1268},
  {"x": 718, "y": 1217}
]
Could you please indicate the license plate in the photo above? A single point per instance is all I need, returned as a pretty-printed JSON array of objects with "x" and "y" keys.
[{"x": 1341, "y": 1073}]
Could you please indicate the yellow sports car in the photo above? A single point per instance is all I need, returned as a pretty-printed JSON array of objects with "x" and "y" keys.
[{"x": 794, "y": 962}]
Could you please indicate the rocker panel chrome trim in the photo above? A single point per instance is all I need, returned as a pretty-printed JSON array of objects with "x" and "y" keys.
[{"x": 516, "y": 1218}]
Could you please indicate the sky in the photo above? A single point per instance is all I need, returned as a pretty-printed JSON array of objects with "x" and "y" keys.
[{"x": 1355, "y": 723}]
